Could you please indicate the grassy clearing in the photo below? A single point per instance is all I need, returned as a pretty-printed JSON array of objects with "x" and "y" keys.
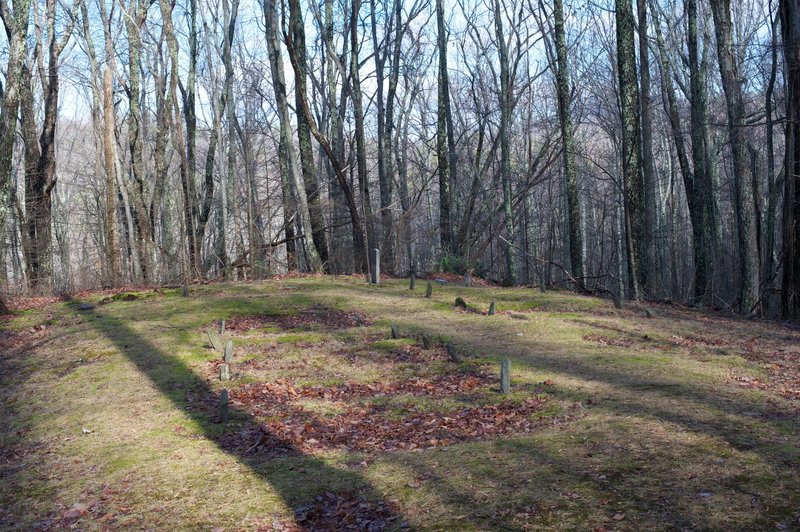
[{"x": 685, "y": 420}]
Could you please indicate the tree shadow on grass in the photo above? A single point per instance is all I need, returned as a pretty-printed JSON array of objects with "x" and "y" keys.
[
  {"x": 309, "y": 476},
  {"x": 649, "y": 390}
]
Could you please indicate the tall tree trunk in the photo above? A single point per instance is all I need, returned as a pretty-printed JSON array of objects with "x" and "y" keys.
[
  {"x": 191, "y": 207},
  {"x": 768, "y": 261},
  {"x": 289, "y": 205},
  {"x": 310, "y": 181},
  {"x": 134, "y": 18},
  {"x": 384, "y": 137},
  {"x": 109, "y": 156},
  {"x": 279, "y": 87},
  {"x": 335, "y": 156},
  {"x": 790, "y": 31},
  {"x": 40, "y": 174},
  {"x": 335, "y": 132},
  {"x": 647, "y": 258},
  {"x": 16, "y": 25},
  {"x": 743, "y": 186},
  {"x": 570, "y": 176},
  {"x": 505, "y": 147},
  {"x": 631, "y": 176},
  {"x": 358, "y": 114},
  {"x": 443, "y": 136},
  {"x": 700, "y": 190}
]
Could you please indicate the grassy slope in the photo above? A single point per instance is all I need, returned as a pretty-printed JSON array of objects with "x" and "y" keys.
[{"x": 658, "y": 436}]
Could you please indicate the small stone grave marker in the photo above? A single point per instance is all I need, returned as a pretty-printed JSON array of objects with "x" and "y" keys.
[
  {"x": 224, "y": 372},
  {"x": 505, "y": 377},
  {"x": 375, "y": 272},
  {"x": 395, "y": 334},
  {"x": 429, "y": 291},
  {"x": 185, "y": 289},
  {"x": 222, "y": 327},
  {"x": 215, "y": 340},
  {"x": 468, "y": 279},
  {"x": 426, "y": 341},
  {"x": 452, "y": 352},
  {"x": 460, "y": 303},
  {"x": 228, "y": 356},
  {"x": 223, "y": 405},
  {"x": 491, "y": 309}
]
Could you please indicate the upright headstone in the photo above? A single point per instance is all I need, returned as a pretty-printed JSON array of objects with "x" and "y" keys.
[
  {"x": 491, "y": 309},
  {"x": 222, "y": 327},
  {"x": 426, "y": 341},
  {"x": 228, "y": 357},
  {"x": 460, "y": 303},
  {"x": 411, "y": 281},
  {"x": 376, "y": 266},
  {"x": 452, "y": 352},
  {"x": 468, "y": 279},
  {"x": 223, "y": 405},
  {"x": 429, "y": 290},
  {"x": 224, "y": 372},
  {"x": 395, "y": 334},
  {"x": 185, "y": 289},
  {"x": 505, "y": 376}
]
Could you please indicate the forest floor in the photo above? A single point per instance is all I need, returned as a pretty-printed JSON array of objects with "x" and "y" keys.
[{"x": 615, "y": 421}]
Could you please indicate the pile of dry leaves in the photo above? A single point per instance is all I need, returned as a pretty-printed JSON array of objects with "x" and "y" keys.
[
  {"x": 316, "y": 315},
  {"x": 607, "y": 340},
  {"x": 371, "y": 428},
  {"x": 345, "y": 511}
]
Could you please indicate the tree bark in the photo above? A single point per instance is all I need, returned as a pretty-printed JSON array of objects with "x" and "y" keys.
[
  {"x": 631, "y": 176},
  {"x": 16, "y": 25},
  {"x": 567, "y": 139},
  {"x": 358, "y": 114},
  {"x": 444, "y": 136},
  {"x": 505, "y": 148},
  {"x": 310, "y": 181},
  {"x": 743, "y": 186},
  {"x": 279, "y": 87},
  {"x": 647, "y": 258},
  {"x": 790, "y": 31}
]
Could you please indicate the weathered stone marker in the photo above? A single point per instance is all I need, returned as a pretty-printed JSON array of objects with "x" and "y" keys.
[
  {"x": 429, "y": 290},
  {"x": 452, "y": 352},
  {"x": 468, "y": 279},
  {"x": 650, "y": 313},
  {"x": 491, "y": 309},
  {"x": 460, "y": 303},
  {"x": 376, "y": 267},
  {"x": 185, "y": 289},
  {"x": 426, "y": 341},
  {"x": 223, "y": 405},
  {"x": 411, "y": 281},
  {"x": 505, "y": 376},
  {"x": 395, "y": 334},
  {"x": 228, "y": 356},
  {"x": 224, "y": 372},
  {"x": 215, "y": 340},
  {"x": 222, "y": 327}
]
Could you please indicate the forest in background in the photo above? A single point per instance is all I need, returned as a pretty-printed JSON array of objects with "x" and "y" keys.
[{"x": 642, "y": 150}]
